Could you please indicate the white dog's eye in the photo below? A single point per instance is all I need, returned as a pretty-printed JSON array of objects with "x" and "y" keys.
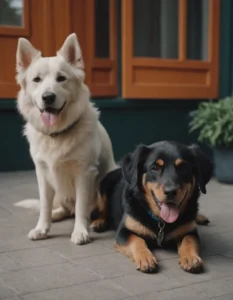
[
  {"x": 37, "y": 79},
  {"x": 61, "y": 78}
]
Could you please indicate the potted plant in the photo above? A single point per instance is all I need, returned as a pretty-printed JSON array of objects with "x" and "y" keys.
[{"x": 214, "y": 121}]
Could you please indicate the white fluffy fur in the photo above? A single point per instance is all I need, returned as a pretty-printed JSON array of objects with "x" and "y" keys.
[{"x": 68, "y": 166}]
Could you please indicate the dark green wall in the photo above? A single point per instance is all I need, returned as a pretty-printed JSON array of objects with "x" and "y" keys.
[
  {"x": 128, "y": 122},
  {"x": 14, "y": 154},
  {"x": 134, "y": 122}
]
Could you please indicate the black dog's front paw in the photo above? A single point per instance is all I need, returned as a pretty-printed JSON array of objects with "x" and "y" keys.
[{"x": 191, "y": 263}]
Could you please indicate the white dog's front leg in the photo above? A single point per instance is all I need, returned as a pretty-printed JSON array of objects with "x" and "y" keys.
[
  {"x": 85, "y": 186},
  {"x": 46, "y": 202}
]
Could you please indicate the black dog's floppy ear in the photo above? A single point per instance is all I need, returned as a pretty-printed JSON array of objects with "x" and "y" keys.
[
  {"x": 203, "y": 167},
  {"x": 130, "y": 164}
]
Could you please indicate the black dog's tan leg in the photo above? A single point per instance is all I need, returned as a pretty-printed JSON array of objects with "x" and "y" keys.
[
  {"x": 137, "y": 250},
  {"x": 202, "y": 220},
  {"x": 188, "y": 250},
  {"x": 99, "y": 221}
]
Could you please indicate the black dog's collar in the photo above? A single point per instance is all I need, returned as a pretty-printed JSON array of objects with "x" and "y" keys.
[
  {"x": 57, "y": 133},
  {"x": 153, "y": 216},
  {"x": 161, "y": 223}
]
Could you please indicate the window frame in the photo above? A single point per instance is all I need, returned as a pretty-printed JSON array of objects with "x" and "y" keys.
[
  {"x": 20, "y": 31},
  {"x": 196, "y": 71},
  {"x": 106, "y": 68},
  {"x": 40, "y": 36}
]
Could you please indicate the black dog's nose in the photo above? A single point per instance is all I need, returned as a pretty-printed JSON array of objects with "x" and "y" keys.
[
  {"x": 170, "y": 191},
  {"x": 49, "y": 98}
]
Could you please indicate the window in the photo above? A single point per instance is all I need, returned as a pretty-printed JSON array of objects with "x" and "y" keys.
[
  {"x": 101, "y": 25},
  {"x": 11, "y": 13},
  {"x": 101, "y": 47},
  {"x": 197, "y": 29},
  {"x": 14, "y": 23},
  {"x": 170, "y": 48},
  {"x": 14, "y": 17},
  {"x": 155, "y": 29}
]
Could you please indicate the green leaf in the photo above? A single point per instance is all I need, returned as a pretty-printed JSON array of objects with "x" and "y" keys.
[{"x": 213, "y": 120}]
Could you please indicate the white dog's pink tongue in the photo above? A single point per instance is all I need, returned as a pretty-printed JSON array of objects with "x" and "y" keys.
[
  {"x": 48, "y": 118},
  {"x": 169, "y": 213}
]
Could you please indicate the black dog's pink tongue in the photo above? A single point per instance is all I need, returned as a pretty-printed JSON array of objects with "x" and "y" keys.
[{"x": 169, "y": 212}]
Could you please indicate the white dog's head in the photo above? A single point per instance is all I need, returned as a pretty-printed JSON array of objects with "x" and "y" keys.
[{"x": 53, "y": 94}]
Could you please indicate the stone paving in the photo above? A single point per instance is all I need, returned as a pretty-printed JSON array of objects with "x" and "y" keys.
[{"x": 56, "y": 269}]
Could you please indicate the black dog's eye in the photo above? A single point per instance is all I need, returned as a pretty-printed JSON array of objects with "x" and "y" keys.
[
  {"x": 37, "y": 79},
  {"x": 61, "y": 78},
  {"x": 155, "y": 169}
]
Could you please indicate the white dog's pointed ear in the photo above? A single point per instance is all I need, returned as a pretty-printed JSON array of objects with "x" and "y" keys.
[
  {"x": 25, "y": 54},
  {"x": 71, "y": 51}
]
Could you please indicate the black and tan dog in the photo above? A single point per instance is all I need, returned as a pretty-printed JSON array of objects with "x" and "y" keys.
[{"x": 153, "y": 199}]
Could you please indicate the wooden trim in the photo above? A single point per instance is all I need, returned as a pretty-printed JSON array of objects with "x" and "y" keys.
[
  {"x": 170, "y": 63},
  {"x": 8, "y": 90},
  {"x": 48, "y": 28},
  {"x": 173, "y": 93},
  {"x": 61, "y": 13},
  {"x": 78, "y": 17},
  {"x": 89, "y": 39},
  {"x": 17, "y": 30},
  {"x": 103, "y": 63},
  {"x": 101, "y": 72},
  {"x": 157, "y": 78},
  {"x": 182, "y": 30},
  {"x": 127, "y": 46}
]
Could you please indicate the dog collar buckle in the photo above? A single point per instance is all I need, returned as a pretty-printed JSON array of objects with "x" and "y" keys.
[{"x": 160, "y": 237}]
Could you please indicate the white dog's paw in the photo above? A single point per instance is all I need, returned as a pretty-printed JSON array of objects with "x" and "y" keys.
[
  {"x": 80, "y": 237},
  {"x": 37, "y": 234}
]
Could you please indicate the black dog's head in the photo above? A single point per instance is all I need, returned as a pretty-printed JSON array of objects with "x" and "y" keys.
[{"x": 167, "y": 173}]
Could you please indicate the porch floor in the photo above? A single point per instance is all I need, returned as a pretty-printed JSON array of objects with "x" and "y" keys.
[{"x": 57, "y": 269}]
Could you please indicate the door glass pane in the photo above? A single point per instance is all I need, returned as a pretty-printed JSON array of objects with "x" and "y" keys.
[
  {"x": 155, "y": 28},
  {"x": 11, "y": 13},
  {"x": 197, "y": 29},
  {"x": 102, "y": 28}
]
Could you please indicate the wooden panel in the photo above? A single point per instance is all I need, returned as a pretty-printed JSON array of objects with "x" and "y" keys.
[
  {"x": 153, "y": 78},
  {"x": 61, "y": 16},
  {"x": 47, "y": 12},
  {"x": 171, "y": 93},
  {"x": 162, "y": 76},
  {"x": 101, "y": 77}
]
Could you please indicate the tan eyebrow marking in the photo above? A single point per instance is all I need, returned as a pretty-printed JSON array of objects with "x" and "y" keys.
[
  {"x": 178, "y": 161},
  {"x": 160, "y": 162}
]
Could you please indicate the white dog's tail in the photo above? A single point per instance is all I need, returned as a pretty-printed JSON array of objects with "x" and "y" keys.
[{"x": 29, "y": 203}]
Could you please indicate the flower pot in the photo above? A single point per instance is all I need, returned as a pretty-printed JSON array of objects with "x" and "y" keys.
[{"x": 223, "y": 160}]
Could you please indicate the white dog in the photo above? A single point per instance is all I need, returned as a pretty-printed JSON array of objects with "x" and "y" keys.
[{"x": 70, "y": 148}]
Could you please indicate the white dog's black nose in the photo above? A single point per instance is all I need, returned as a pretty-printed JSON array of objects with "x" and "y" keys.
[{"x": 49, "y": 98}]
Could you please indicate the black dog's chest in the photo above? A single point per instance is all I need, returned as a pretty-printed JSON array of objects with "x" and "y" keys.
[{"x": 162, "y": 230}]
